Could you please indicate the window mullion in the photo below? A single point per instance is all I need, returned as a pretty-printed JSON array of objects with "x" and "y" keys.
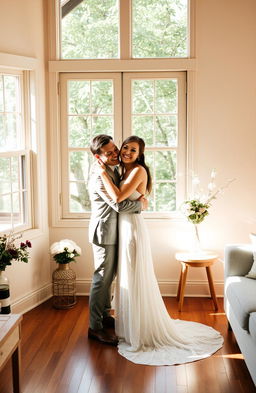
[{"x": 125, "y": 29}]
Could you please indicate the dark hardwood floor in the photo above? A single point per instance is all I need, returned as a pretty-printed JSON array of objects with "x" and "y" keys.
[{"x": 57, "y": 357}]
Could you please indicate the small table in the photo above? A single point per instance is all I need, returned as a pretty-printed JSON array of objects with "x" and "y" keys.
[
  {"x": 10, "y": 337},
  {"x": 201, "y": 259}
]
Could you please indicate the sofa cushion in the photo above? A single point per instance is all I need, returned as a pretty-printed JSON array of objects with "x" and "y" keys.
[
  {"x": 252, "y": 325},
  {"x": 252, "y": 272},
  {"x": 241, "y": 294}
]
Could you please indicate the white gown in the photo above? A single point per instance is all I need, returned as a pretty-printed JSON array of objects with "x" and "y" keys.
[{"x": 147, "y": 334}]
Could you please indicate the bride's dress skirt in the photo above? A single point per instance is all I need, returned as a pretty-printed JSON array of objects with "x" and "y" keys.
[{"x": 147, "y": 334}]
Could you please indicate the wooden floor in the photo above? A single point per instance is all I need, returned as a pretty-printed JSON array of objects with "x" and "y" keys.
[{"x": 57, "y": 357}]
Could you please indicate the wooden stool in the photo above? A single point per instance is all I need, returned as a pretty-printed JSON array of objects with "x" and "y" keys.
[{"x": 204, "y": 259}]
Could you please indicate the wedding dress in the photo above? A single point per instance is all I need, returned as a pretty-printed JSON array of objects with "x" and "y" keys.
[{"x": 147, "y": 334}]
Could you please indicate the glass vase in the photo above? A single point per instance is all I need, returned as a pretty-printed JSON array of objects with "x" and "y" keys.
[
  {"x": 5, "y": 307},
  {"x": 197, "y": 243}
]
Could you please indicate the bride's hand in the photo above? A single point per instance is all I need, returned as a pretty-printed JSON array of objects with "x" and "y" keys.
[
  {"x": 144, "y": 202},
  {"x": 100, "y": 165}
]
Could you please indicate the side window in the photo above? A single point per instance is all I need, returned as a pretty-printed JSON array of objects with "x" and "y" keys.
[{"x": 15, "y": 207}]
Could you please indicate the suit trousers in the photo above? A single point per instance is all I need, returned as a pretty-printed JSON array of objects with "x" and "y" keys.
[{"x": 105, "y": 261}]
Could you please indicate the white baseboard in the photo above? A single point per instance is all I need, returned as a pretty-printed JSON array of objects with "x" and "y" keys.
[
  {"x": 83, "y": 287},
  {"x": 32, "y": 299},
  {"x": 167, "y": 288}
]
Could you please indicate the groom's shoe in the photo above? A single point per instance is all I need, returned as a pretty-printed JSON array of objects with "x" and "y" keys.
[
  {"x": 108, "y": 322},
  {"x": 102, "y": 336}
]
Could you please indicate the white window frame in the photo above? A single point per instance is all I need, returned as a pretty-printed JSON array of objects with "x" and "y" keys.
[
  {"x": 56, "y": 67},
  {"x": 65, "y": 149},
  {"x": 181, "y": 129},
  {"x": 23, "y": 151},
  {"x": 29, "y": 67},
  {"x": 28, "y": 222}
]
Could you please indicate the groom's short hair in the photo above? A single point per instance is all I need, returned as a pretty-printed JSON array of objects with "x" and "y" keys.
[{"x": 98, "y": 142}]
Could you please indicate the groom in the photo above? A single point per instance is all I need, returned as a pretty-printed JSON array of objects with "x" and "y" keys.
[{"x": 103, "y": 234}]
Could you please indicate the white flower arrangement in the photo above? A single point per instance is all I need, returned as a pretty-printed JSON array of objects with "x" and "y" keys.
[
  {"x": 196, "y": 208},
  {"x": 65, "y": 251}
]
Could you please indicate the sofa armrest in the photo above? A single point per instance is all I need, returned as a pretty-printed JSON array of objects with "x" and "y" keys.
[{"x": 238, "y": 259}]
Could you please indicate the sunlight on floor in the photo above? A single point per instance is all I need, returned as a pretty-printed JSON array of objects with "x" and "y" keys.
[
  {"x": 231, "y": 356},
  {"x": 217, "y": 313}
]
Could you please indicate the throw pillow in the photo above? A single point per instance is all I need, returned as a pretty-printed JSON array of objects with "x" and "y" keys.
[{"x": 252, "y": 272}]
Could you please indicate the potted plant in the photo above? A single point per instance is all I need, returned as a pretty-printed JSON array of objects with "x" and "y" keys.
[
  {"x": 9, "y": 252},
  {"x": 197, "y": 208},
  {"x": 64, "y": 278}
]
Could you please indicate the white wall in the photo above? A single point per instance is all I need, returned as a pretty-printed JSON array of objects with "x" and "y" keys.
[
  {"x": 223, "y": 137},
  {"x": 22, "y": 33}
]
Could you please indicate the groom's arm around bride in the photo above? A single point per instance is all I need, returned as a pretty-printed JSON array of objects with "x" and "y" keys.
[{"x": 103, "y": 234}]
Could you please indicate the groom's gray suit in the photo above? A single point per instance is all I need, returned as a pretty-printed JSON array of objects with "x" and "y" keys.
[{"x": 103, "y": 234}]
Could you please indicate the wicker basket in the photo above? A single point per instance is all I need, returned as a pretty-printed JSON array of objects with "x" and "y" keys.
[{"x": 64, "y": 287}]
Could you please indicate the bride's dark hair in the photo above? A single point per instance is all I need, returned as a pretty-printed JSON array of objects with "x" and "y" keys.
[{"x": 141, "y": 159}]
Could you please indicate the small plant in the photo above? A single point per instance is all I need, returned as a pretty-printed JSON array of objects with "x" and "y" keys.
[
  {"x": 9, "y": 251},
  {"x": 197, "y": 208},
  {"x": 65, "y": 251}
]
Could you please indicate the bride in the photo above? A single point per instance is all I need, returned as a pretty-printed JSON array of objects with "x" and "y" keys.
[{"x": 147, "y": 334}]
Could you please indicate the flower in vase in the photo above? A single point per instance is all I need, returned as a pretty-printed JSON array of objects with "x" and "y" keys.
[
  {"x": 197, "y": 207},
  {"x": 196, "y": 211},
  {"x": 65, "y": 251},
  {"x": 9, "y": 251}
]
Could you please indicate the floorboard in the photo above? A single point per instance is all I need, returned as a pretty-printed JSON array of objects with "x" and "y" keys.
[{"x": 57, "y": 357}]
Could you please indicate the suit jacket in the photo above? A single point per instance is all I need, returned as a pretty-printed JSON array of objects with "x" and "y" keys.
[{"x": 103, "y": 227}]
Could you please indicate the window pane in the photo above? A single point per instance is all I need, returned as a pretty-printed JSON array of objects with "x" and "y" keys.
[
  {"x": 165, "y": 165},
  {"x": 79, "y": 168},
  {"x": 159, "y": 28},
  {"x": 5, "y": 205},
  {"x": 15, "y": 173},
  {"x": 154, "y": 118},
  {"x": 166, "y": 131},
  {"x": 143, "y": 126},
  {"x": 158, "y": 97},
  {"x": 1, "y": 94},
  {"x": 5, "y": 178},
  {"x": 79, "y": 201},
  {"x": 166, "y": 96},
  {"x": 79, "y": 131},
  {"x": 143, "y": 96},
  {"x": 78, "y": 97},
  {"x": 79, "y": 165},
  {"x": 12, "y": 131},
  {"x": 165, "y": 197},
  {"x": 95, "y": 98},
  {"x": 162, "y": 166},
  {"x": 90, "y": 29},
  {"x": 13, "y": 192},
  {"x": 13, "y": 195},
  {"x": 11, "y": 93},
  {"x": 102, "y": 125},
  {"x": 16, "y": 205},
  {"x": 102, "y": 97}
]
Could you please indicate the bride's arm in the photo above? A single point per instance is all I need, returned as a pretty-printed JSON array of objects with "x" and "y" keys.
[{"x": 135, "y": 178}]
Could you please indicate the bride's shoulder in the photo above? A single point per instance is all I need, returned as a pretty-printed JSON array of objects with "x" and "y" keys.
[{"x": 139, "y": 170}]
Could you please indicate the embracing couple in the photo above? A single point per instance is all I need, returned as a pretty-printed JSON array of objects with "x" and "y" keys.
[{"x": 144, "y": 331}]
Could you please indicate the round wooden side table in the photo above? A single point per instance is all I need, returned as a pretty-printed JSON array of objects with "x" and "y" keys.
[{"x": 201, "y": 259}]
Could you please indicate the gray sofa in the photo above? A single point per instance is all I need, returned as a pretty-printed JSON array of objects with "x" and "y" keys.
[{"x": 240, "y": 301}]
